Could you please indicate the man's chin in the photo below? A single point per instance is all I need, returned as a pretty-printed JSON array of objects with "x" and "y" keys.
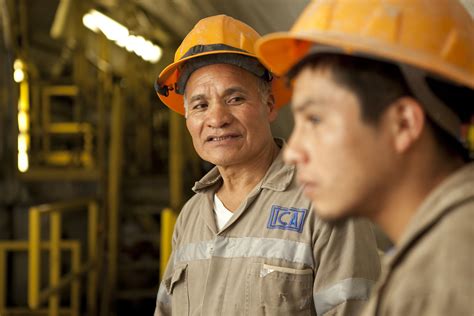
[{"x": 332, "y": 217}]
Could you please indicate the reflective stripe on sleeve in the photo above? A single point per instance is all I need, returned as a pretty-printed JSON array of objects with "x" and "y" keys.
[
  {"x": 345, "y": 290},
  {"x": 163, "y": 297},
  {"x": 271, "y": 248},
  {"x": 194, "y": 251}
]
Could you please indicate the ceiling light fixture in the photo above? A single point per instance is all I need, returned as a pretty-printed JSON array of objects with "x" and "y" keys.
[{"x": 120, "y": 35}]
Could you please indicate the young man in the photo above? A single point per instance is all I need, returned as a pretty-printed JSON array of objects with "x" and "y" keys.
[
  {"x": 380, "y": 89},
  {"x": 248, "y": 242}
]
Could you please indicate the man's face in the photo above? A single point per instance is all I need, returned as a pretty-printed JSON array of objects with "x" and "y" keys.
[
  {"x": 342, "y": 161},
  {"x": 227, "y": 119}
]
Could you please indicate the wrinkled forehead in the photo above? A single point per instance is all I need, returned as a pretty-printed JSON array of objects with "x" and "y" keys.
[{"x": 219, "y": 78}]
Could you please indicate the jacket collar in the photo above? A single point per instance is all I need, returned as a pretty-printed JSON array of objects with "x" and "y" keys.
[
  {"x": 453, "y": 191},
  {"x": 278, "y": 177}
]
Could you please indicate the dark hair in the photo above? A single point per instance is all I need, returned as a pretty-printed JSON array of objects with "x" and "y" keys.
[{"x": 378, "y": 83}]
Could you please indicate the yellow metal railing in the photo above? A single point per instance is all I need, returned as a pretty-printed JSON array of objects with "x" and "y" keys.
[
  {"x": 176, "y": 163},
  {"x": 168, "y": 220},
  {"x": 56, "y": 283},
  {"x": 84, "y": 156},
  {"x": 73, "y": 246}
]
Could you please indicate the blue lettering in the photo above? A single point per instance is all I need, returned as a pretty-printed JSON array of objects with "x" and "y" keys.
[
  {"x": 280, "y": 215},
  {"x": 294, "y": 220}
]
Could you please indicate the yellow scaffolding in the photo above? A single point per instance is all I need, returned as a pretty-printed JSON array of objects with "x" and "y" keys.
[
  {"x": 56, "y": 283},
  {"x": 176, "y": 163},
  {"x": 65, "y": 157},
  {"x": 168, "y": 220},
  {"x": 73, "y": 246}
]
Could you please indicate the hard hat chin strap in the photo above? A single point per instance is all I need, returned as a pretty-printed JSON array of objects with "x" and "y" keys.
[{"x": 434, "y": 107}]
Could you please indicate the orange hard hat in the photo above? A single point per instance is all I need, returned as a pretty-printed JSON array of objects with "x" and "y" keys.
[
  {"x": 218, "y": 34},
  {"x": 436, "y": 36}
]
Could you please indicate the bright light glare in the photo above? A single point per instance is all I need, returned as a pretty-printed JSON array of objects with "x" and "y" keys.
[
  {"x": 130, "y": 43},
  {"x": 23, "y": 142},
  {"x": 19, "y": 70},
  {"x": 18, "y": 64},
  {"x": 90, "y": 22},
  {"x": 18, "y": 75},
  {"x": 156, "y": 54},
  {"x": 23, "y": 164},
  {"x": 23, "y": 122},
  {"x": 111, "y": 29},
  {"x": 116, "y": 32}
]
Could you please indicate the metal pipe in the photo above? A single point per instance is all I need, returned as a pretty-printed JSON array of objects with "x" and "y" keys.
[
  {"x": 34, "y": 263},
  {"x": 22, "y": 245},
  {"x": 76, "y": 283},
  {"x": 168, "y": 219},
  {"x": 64, "y": 282},
  {"x": 115, "y": 167},
  {"x": 92, "y": 276},
  {"x": 63, "y": 206},
  {"x": 176, "y": 160},
  {"x": 3, "y": 280},
  {"x": 54, "y": 261}
]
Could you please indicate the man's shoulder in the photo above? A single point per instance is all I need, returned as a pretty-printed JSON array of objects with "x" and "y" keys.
[
  {"x": 449, "y": 235},
  {"x": 440, "y": 257},
  {"x": 191, "y": 207}
]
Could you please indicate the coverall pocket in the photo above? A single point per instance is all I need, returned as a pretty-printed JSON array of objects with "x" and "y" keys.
[
  {"x": 276, "y": 290},
  {"x": 177, "y": 287}
]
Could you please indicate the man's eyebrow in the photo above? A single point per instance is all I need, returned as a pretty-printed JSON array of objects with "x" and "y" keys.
[
  {"x": 197, "y": 97},
  {"x": 226, "y": 92},
  {"x": 231, "y": 90},
  {"x": 300, "y": 107}
]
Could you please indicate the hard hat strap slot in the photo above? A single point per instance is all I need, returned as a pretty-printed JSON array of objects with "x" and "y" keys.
[
  {"x": 434, "y": 107},
  {"x": 163, "y": 90}
]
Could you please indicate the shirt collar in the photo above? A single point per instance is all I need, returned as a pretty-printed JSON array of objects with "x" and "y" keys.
[{"x": 277, "y": 178}]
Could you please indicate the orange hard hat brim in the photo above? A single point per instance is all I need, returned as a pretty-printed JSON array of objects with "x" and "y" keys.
[{"x": 279, "y": 52}]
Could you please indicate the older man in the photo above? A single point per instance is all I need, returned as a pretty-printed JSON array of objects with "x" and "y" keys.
[
  {"x": 380, "y": 91},
  {"x": 248, "y": 242}
]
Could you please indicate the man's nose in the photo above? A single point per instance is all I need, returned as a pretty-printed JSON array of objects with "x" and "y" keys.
[
  {"x": 293, "y": 153},
  {"x": 218, "y": 115}
]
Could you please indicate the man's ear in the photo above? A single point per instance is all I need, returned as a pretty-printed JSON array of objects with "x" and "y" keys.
[
  {"x": 407, "y": 121},
  {"x": 272, "y": 111}
]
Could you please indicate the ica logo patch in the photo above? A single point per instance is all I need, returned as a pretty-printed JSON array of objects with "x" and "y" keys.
[{"x": 287, "y": 218}]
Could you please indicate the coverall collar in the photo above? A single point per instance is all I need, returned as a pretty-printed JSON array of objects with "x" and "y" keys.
[
  {"x": 456, "y": 189},
  {"x": 278, "y": 177}
]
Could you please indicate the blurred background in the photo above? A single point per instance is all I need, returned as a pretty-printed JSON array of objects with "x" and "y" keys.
[{"x": 93, "y": 167}]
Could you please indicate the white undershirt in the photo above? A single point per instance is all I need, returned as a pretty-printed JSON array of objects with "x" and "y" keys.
[{"x": 222, "y": 213}]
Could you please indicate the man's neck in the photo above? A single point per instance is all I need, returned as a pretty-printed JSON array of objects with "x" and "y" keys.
[
  {"x": 239, "y": 180},
  {"x": 405, "y": 198}
]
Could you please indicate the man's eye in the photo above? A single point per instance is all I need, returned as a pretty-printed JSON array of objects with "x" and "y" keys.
[
  {"x": 235, "y": 100},
  {"x": 313, "y": 119},
  {"x": 199, "y": 106}
]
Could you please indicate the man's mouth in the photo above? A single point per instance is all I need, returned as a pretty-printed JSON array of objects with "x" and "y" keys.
[{"x": 220, "y": 138}]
